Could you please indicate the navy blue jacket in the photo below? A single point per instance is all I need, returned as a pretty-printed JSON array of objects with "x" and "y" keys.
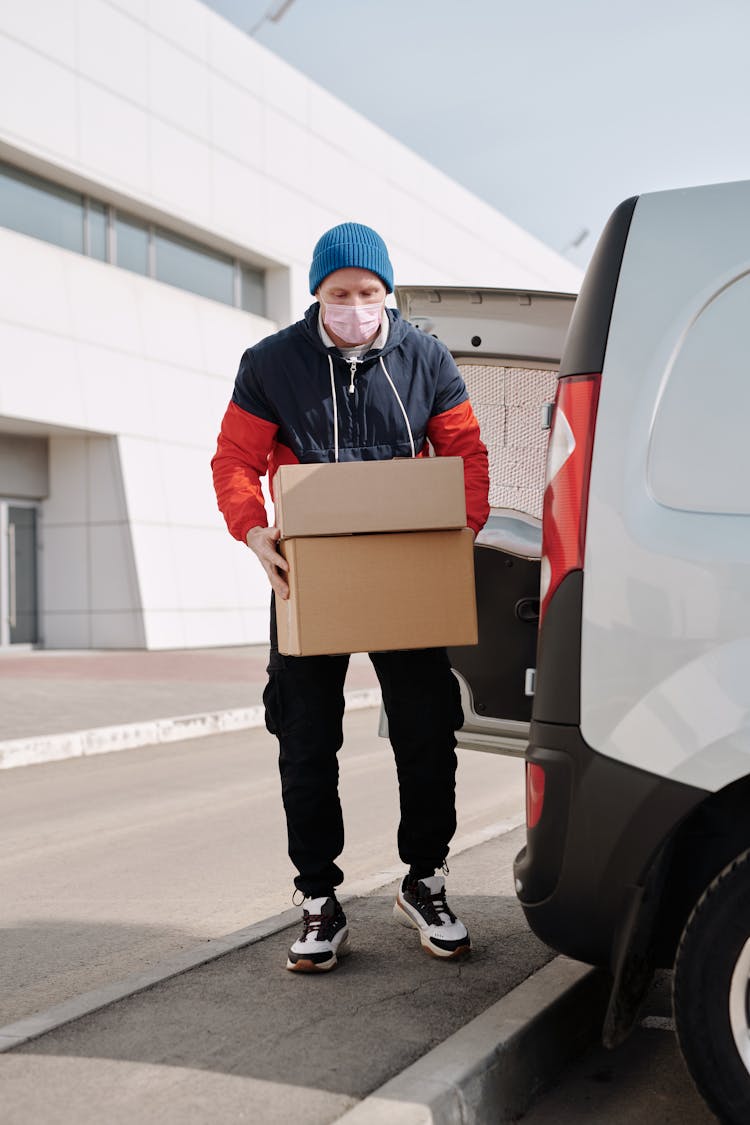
[{"x": 282, "y": 412}]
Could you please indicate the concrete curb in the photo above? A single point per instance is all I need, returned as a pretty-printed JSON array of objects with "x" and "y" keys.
[
  {"x": 39, "y": 1023},
  {"x": 127, "y": 736},
  {"x": 490, "y": 1070},
  {"x": 487, "y": 1073},
  {"x": 31, "y": 1027}
]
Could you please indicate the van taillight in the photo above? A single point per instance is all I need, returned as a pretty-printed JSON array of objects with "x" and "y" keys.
[
  {"x": 534, "y": 793},
  {"x": 566, "y": 490}
]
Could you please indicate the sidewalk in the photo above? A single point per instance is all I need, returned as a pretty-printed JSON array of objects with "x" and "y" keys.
[
  {"x": 120, "y": 700},
  {"x": 224, "y": 1033}
]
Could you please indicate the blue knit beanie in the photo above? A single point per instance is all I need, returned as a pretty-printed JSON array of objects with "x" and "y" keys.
[{"x": 350, "y": 244}]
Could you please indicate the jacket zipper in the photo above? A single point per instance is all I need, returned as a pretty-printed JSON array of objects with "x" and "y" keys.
[{"x": 352, "y": 372}]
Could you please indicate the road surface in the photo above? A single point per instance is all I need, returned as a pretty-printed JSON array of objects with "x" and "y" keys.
[{"x": 112, "y": 863}]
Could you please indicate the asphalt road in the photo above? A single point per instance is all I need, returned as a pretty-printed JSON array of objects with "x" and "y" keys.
[
  {"x": 109, "y": 864},
  {"x": 642, "y": 1082}
]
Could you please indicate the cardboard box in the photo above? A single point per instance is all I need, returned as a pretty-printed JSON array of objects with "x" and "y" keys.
[
  {"x": 369, "y": 593},
  {"x": 362, "y": 497}
]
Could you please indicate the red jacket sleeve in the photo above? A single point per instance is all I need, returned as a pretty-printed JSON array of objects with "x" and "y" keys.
[
  {"x": 241, "y": 459},
  {"x": 455, "y": 433}
]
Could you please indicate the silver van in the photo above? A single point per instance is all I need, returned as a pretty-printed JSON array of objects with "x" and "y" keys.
[{"x": 638, "y": 759}]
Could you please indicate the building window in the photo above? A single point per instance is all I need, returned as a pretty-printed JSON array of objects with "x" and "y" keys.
[
  {"x": 252, "y": 290},
  {"x": 179, "y": 261},
  {"x": 131, "y": 244},
  {"x": 32, "y": 205},
  {"x": 95, "y": 231}
]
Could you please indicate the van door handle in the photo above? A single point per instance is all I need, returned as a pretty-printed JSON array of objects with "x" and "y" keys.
[{"x": 527, "y": 609}]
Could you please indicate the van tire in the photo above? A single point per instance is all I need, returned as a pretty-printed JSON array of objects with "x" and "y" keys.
[{"x": 712, "y": 974}]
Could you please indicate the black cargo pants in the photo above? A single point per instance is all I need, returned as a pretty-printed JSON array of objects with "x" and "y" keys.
[{"x": 304, "y": 701}]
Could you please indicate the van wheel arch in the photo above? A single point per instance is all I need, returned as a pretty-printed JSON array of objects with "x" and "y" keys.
[
  {"x": 711, "y": 985},
  {"x": 710, "y": 837},
  {"x": 656, "y": 911}
]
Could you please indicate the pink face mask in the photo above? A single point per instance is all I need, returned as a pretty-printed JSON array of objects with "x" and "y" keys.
[{"x": 355, "y": 324}]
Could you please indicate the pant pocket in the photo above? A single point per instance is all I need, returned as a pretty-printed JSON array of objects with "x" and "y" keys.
[{"x": 271, "y": 704}]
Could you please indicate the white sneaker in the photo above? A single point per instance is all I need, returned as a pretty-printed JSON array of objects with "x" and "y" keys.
[
  {"x": 421, "y": 903},
  {"x": 325, "y": 937}
]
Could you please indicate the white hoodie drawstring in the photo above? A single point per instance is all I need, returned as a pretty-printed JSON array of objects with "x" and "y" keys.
[
  {"x": 403, "y": 411},
  {"x": 336, "y": 411}
]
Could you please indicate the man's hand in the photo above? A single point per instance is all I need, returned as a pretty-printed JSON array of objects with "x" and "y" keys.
[{"x": 262, "y": 542}]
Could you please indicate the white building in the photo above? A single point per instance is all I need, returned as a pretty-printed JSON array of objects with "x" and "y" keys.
[{"x": 163, "y": 179}]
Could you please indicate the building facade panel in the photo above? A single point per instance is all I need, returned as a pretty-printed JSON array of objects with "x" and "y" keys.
[
  {"x": 40, "y": 378},
  {"x": 113, "y": 138},
  {"x": 178, "y": 88},
  {"x": 46, "y": 24},
  {"x": 238, "y": 197},
  {"x": 125, "y": 71},
  {"x": 50, "y": 123},
  {"x": 142, "y": 461},
  {"x": 236, "y": 121}
]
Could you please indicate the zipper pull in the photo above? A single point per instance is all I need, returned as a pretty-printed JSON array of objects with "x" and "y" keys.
[{"x": 352, "y": 372}]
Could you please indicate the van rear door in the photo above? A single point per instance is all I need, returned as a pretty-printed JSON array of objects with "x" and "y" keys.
[{"x": 507, "y": 345}]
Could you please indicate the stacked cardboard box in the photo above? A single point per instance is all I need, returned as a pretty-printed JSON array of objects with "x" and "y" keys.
[{"x": 379, "y": 556}]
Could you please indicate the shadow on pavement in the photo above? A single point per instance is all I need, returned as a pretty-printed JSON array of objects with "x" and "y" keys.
[
  {"x": 45, "y": 962},
  {"x": 345, "y": 1032}
]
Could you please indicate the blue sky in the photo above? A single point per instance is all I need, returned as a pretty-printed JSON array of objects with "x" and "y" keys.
[{"x": 551, "y": 112}]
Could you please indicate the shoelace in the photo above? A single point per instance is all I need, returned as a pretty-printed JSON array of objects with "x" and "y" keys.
[
  {"x": 442, "y": 907},
  {"x": 320, "y": 924},
  {"x": 434, "y": 905}
]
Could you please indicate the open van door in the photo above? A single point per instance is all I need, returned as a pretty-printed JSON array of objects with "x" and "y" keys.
[{"x": 507, "y": 345}]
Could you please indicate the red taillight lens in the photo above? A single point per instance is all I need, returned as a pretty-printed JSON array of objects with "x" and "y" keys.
[
  {"x": 534, "y": 793},
  {"x": 566, "y": 490}
]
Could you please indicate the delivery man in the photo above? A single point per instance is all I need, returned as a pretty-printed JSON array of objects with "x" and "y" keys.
[{"x": 352, "y": 381}]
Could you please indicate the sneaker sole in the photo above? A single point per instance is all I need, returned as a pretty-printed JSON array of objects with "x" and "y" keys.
[
  {"x": 406, "y": 919},
  {"x": 306, "y": 966}
]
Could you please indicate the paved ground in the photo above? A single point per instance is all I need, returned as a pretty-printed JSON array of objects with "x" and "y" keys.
[
  {"x": 55, "y": 692},
  {"x": 240, "y": 1039},
  {"x": 643, "y": 1082},
  {"x": 112, "y": 862},
  {"x": 108, "y": 864}
]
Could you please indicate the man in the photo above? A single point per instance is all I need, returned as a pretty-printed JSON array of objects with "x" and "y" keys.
[{"x": 353, "y": 382}]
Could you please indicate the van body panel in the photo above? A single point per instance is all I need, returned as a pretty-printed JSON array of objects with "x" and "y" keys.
[
  {"x": 665, "y": 658},
  {"x": 595, "y": 842},
  {"x": 693, "y": 726},
  {"x": 557, "y": 698},
  {"x": 699, "y": 457}
]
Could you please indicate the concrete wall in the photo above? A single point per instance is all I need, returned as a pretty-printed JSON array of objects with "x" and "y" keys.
[
  {"x": 24, "y": 467},
  {"x": 166, "y": 110},
  {"x": 131, "y": 378}
]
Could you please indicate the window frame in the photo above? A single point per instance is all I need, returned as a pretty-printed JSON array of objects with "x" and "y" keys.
[{"x": 153, "y": 230}]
